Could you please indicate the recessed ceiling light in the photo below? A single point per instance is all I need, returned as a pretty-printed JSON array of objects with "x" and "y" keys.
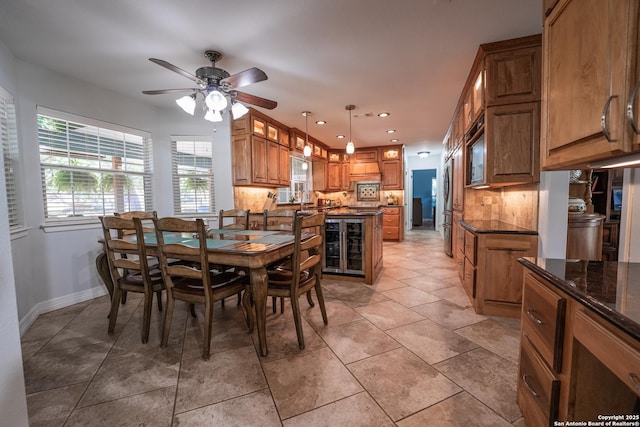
[
  {"x": 391, "y": 131},
  {"x": 321, "y": 122},
  {"x": 383, "y": 115},
  {"x": 340, "y": 136},
  {"x": 394, "y": 140}
]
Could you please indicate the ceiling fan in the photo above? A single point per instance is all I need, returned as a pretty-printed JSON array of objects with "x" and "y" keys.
[{"x": 215, "y": 85}]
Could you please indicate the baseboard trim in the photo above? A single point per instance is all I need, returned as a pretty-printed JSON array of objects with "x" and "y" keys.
[{"x": 58, "y": 303}]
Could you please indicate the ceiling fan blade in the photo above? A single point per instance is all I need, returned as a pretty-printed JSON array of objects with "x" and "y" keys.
[
  {"x": 246, "y": 77},
  {"x": 256, "y": 100},
  {"x": 180, "y": 71},
  {"x": 163, "y": 91}
]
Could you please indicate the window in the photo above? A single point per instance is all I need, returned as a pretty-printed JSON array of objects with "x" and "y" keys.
[
  {"x": 9, "y": 149},
  {"x": 301, "y": 178},
  {"x": 91, "y": 168},
  {"x": 192, "y": 175}
]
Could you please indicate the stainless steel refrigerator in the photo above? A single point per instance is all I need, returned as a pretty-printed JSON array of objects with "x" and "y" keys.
[{"x": 447, "y": 193}]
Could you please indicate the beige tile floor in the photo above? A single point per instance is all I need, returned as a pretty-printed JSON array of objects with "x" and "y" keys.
[{"x": 407, "y": 351}]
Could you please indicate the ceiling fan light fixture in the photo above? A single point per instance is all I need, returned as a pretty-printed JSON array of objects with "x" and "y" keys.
[
  {"x": 238, "y": 110},
  {"x": 423, "y": 154},
  {"x": 215, "y": 100},
  {"x": 213, "y": 116},
  {"x": 187, "y": 103}
]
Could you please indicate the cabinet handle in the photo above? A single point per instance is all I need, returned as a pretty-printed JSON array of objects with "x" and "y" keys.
[
  {"x": 526, "y": 383},
  {"x": 630, "y": 113},
  {"x": 603, "y": 119},
  {"x": 533, "y": 317},
  {"x": 635, "y": 381}
]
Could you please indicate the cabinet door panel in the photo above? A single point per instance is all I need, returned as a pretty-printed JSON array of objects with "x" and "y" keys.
[
  {"x": 259, "y": 156},
  {"x": 273, "y": 163},
  {"x": 513, "y": 76},
  {"x": 586, "y": 63},
  {"x": 241, "y": 159},
  {"x": 513, "y": 143},
  {"x": 285, "y": 166},
  {"x": 391, "y": 174}
]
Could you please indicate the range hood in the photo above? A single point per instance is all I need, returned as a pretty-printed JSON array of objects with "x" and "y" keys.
[{"x": 365, "y": 171}]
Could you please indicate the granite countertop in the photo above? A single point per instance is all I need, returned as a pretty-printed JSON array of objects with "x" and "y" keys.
[
  {"x": 350, "y": 211},
  {"x": 611, "y": 289},
  {"x": 497, "y": 227}
]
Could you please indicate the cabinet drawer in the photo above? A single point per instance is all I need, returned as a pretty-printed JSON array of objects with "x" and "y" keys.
[
  {"x": 602, "y": 341},
  {"x": 391, "y": 210},
  {"x": 391, "y": 233},
  {"x": 470, "y": 246},
  {"x": 391, "y": 220},
  {"x": 538, "y": 389},
  {"x": 543, "y": 313}
]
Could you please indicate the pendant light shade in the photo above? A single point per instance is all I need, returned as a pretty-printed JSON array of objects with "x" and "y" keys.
[
  {"x": 238, "y": 110},
  {"x": 213, "y": 116},
  {"x": 350, "y": 148},
  {"x": 216, "y": 100},
  {"x": 306, "y": 151},
  {"x": 187, "y": 103}
]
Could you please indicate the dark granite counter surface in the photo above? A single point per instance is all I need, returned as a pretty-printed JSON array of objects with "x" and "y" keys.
[
  {"x": 497, "y": 227},
  {"x": 609, "y": 288}
]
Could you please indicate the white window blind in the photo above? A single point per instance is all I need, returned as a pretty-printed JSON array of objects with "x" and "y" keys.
[
  {"x": 91, "y": 168},
  {"x": 9, "y": 147},
  {"x": 192, "y": 168}
]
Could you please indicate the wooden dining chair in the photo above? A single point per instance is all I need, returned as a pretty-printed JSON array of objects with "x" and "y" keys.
[
  {"x": 304, "y": 271},
  {"x": 194, "y": 282},
  {"x": 147, "y": 226},
  {"x": 279, "y": 219},
  {"x": 129, "y": 267},
  {"x": 234, "y": 219}
]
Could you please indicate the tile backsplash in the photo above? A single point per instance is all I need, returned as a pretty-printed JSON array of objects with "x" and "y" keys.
[{"x": 517, "y": 205}]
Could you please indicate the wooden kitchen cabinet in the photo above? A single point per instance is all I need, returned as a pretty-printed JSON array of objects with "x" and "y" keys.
[
  {"x": 393, "y": 223},
  {"x": 575, "y": 365},
  {"x": 474, "y": 100},
  {"x": 284, "y": 166},
  {"x": 513, "y": 76},
  {"x": 512, "y": 144},
  {"x": 260, "y": 151},
  {"x": 590, "y": 75},
  {"x": 338, "y": 170},
  {"x": 497, "y": 274},
  {"x": 391, "y": 167},
  {"x": 319, "y": 170},
  {"x": 458, "y": 179},
  {"x": 260, "y": 160}
]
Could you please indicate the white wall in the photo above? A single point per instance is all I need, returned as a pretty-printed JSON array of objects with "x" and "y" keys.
[
  {"x": 13, "y": 402},
  {"x": 553, "y": 214},
  {"x": 64, "y": 276}
]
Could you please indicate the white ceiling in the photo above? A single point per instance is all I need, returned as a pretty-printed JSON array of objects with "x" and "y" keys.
[{"x": 406, "y": 57}]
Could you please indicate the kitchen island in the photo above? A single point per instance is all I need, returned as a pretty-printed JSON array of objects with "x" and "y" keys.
[
  {"x": 353, "y": 244},
  {"x": 580, "y": 341}
]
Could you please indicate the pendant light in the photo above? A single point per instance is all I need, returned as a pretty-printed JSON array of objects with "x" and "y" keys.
[
  {"x": 350, "y": 148},
  {"x": 306, "y": 151}
]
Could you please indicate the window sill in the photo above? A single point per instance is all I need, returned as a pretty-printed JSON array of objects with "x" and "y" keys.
[
  {"x": 62, "y": 226},
  {"x": 19, "y": 232}
]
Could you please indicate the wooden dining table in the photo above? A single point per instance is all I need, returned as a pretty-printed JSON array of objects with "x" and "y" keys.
[{"x": 250, "y": 249}]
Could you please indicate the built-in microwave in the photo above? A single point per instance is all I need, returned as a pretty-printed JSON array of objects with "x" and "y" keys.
[{"x": 476, "y": 154}]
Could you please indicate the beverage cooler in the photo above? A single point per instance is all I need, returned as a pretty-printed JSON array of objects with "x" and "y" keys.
[{"x": 344, "y": 247}]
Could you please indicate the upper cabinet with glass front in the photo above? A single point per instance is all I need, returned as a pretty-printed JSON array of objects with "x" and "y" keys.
[
  {"x": 500, "y": 108},
  {"x": 590, "y": 82}
]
